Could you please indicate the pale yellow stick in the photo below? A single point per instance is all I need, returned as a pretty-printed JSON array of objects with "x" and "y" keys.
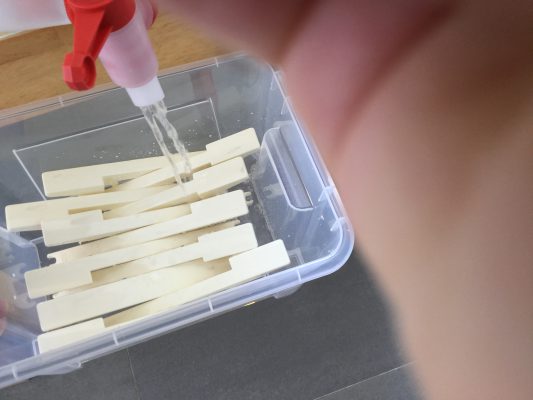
[
  {"x": 28, "y": 216},
  {"x": 248, "y": 266},
  {"x": 180, "y": 276},
  {"x": 64, "y": 276},
  {"x": 244, "y": 267},
  {"x": 240, "y": 144},
  {"x": 207, "y": 212},
  {"x": 94, "y": 178},
  {"x": 60, "y": 277},
  {"x": 84, "y": 217},
  {"x": 210, "y": 247},
  {"x": 64, "y": 337},
  {"x": 158, "y": 177},
  {"x": 205, "y": 183},
  {"x": 102, "y": 276},
  {"x": 77, "y": 307},
  {"x": 65, "y": 231}
]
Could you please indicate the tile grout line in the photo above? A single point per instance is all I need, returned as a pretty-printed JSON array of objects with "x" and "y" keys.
[
  {"x": 364, "y": 380},
  {"x": 135, "y": 385}
]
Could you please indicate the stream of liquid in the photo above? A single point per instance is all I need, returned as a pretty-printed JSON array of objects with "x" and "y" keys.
[{"x": 165, "y": 134}]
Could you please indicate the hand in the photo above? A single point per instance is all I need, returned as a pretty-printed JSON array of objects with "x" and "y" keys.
[{"x": 423, "y": 111}]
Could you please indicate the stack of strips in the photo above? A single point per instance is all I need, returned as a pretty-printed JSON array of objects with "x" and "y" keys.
[{"x": 142, "y": 244}]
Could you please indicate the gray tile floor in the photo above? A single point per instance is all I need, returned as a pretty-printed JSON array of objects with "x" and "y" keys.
[
  {"x": 395, "y": 384},
  {"x": 332, "y": 340}
]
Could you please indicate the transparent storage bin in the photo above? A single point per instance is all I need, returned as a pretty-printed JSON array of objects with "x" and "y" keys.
[{"x": 294, "y": 196}]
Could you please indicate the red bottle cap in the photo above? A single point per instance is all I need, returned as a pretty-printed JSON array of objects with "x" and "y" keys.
[{"x": 93, "y": 21}]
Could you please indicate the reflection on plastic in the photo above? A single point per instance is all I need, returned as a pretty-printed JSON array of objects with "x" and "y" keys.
[{"x": 3, "y": 316}]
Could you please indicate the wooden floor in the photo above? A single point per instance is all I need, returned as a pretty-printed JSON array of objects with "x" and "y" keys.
[{"x": 30, "y": 63}]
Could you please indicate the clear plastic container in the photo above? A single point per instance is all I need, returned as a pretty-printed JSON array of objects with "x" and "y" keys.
[{"x": 295, "y": 198}]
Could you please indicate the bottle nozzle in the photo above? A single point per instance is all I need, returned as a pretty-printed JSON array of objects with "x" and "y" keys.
[{"x": 93, "y": 21}]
